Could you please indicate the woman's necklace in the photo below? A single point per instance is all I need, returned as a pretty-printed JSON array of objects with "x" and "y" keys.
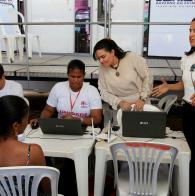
[
  {"x": 72, "y": 103},
  {"x": 116, "y": 68}
]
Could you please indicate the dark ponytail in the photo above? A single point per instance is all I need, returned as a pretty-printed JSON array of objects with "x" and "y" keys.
[
  {"x": 192, "y": 50},
  {"x": 12, "y": 109}
]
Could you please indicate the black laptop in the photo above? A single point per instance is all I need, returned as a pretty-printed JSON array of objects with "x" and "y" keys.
[
  {"x": 61, "y": 126},
  {"x": 146, "y": 124}
]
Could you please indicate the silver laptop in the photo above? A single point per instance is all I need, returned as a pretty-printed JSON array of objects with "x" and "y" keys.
[
  {"x": 61, "y": 126},
  {"x": 144, "y": 124}
]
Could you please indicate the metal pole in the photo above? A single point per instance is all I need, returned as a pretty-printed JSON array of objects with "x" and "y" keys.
[
  {"x": 105, "y": 17},
  {"x": 26, "y": 40},
  {"x": 109, "y": 19},
  {"x": 93, "y": 23}
]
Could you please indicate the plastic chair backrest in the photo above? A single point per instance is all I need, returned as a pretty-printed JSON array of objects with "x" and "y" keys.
[
  {"x": 166, "y": 102},
  {"x": 13, "y": 17},
  {"x": 143, "y": 161},
  {"x": 2, "y": 29},
  {"x": 13, "y": 179}
]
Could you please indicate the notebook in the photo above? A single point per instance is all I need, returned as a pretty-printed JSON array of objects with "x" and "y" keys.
[
  {"x": 61, "y": 126},
  {"x": 145, "y": 124}
]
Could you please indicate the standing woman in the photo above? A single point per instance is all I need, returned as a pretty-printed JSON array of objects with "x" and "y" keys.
[
  {"x": 123, "y": 76},
  {"x": 187, "y": 85}
]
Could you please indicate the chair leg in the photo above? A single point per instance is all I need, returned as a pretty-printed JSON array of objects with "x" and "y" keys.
[
  {"x": 20, "y": 44},
  {"x": 29, "y": 47},
  {"x": 38, "y": 45},
  {"x": 10, "y": 49}
]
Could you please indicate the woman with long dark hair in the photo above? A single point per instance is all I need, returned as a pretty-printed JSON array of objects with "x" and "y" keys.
[
  {"x": 187, "y": 84},
  {"x": 13, "y": 121},
  {"x": 123, "y": 76}
]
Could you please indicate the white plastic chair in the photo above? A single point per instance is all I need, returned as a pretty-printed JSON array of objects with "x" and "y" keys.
[
  {"x": 16, "y": 36},
  {"x": 166, "y": 102},
  {"x": 22, "y": 175},
  {"x": 31, "y": 37},
  {"x": 142, "y": 176},
  {"x": 8, "y": 41}
]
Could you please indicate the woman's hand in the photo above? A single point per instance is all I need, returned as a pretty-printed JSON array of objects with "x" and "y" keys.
[
  {"x": 161, "y": 89},
  {"x": 139, "y": 104},
  {"x": 69, "y": 116},
  {"x": 193, "y": 99},
  {"x": 125, "y": 105},
  {"x": 34, "y": 123}
]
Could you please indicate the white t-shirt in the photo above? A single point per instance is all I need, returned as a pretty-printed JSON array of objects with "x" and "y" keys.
[
  {"x": 62, "y": 97},
  {"x": 188, "y": 77},
  {"x": 12, "y": 88}
]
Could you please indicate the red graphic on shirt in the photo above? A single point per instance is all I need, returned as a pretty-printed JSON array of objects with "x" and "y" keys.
[
  {"x": 84, "y": 104},
  {"x": 76, "y": 114}
]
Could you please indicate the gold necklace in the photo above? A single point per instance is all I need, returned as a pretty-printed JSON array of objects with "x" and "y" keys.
[{"x": 116, "y": 68}]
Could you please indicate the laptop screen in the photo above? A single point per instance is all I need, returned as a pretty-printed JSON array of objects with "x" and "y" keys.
[
  {"x": 144, "y": 124},
  {"x": 61, "y": 126}
]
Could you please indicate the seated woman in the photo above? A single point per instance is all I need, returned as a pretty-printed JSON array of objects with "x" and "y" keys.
[
  {"x": 13, "y": 120},
  {"x": 74, "y": 98},
  {"x": 9, "y": 87}
]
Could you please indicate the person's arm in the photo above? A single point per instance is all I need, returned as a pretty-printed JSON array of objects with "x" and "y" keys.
[
  {"x": 96, "y": 114},
  {"x": 95, "y": 106},
  {"x": 193, "y": 99},
  {"x": 51, "y": 103},
  {"x": 125, "y": 105},
  {"x": 48, "y": 111},
  {"x": 105, "y": 95},
  {"x": 165, "y": 87},
  {"x": 16, "y": 89},
  {"x": 142, "y": 70},
  {"x": 36, "y": 155}
]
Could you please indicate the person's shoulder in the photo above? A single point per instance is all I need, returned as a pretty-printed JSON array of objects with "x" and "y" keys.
[
  {"x": 133, "y": 55},
  {"x": 88, "y": 86},
  {"x": 188, "y": 56},
  {"x": 14, "y": 87},
  {"x": 13, "y": 83},
  {"x": 36, "y": 150},
  {"x": 90, "y": 89},
  {"x": 185, "y": 58},
  {"x": 36, "y": 147},
  {"x": 36, "y": 154},
  {"x": 60, "y": 84}
]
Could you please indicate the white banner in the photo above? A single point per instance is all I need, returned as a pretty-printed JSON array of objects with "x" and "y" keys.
[{"x": 170, "y": 40}]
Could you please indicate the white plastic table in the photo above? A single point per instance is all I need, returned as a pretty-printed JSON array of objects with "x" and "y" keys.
[
  {"x": 102, "y": 153},
  {"x": 76, "y": 148}
]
